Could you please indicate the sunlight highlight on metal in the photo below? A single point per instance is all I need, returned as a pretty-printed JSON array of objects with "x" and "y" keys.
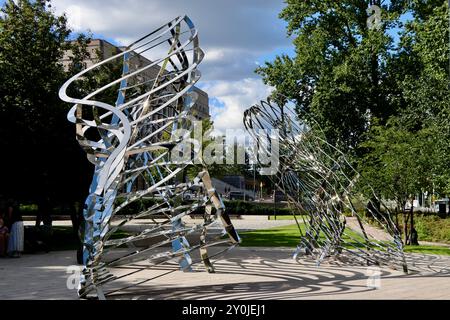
[
  {"x": 131, "y": 142},
  {"x": 314, "y": 176}
]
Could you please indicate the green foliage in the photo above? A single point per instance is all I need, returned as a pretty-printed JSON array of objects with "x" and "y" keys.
[
  {"x": 411, "y": 153},
  {"x": 253, "y": 208},
  {"x": 338, "y": 75},
  {"x": 96, "y": 78},
  {"x": 433, "y": 228},
  {"x": 220, "y": 167},
  {"x": 40, "y": 158},
  {"x": 214, "y": 169},
  {"x": 397, "y": 163},
  {"x": 383, "y": 102},
  {"x": 424, "y": 79}
]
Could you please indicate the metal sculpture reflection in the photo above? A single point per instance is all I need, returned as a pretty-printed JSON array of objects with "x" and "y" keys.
[
  {"x": 132, "y": 145},
  {"x": 314, "y": 176}
]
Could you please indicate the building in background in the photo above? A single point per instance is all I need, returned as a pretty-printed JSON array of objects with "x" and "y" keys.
[{"x": 100, "y": 50}]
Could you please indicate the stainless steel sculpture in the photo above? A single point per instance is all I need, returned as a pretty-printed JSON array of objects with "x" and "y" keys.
[
  {"x": 314, "y": 176},
  {"x": 133, "y": 147}
]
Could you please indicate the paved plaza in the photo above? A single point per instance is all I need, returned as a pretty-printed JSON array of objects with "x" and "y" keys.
[{"x": 243, "y": 273}]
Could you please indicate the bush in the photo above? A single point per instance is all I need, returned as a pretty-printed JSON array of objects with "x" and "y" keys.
[
  {"x": 255, "y": 209},
  {"x": 232, "y": 208},
  {"x": 432, "y": 228}
]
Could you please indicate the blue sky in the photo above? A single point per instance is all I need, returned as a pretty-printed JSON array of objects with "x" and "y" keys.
[{"x": 236, "y": 36}]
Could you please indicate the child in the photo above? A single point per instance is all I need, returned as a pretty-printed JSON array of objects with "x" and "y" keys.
[{"x": 3, "y": 237}]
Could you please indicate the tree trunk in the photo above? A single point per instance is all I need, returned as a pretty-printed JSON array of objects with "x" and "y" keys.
[
  {"x": 405, "y": 223},
  {"x": 78, "y": 229},
  {"x": 44, "y": 212},
  {"x": 396, "y": 219},
  {"x": 413, "y": 233}
]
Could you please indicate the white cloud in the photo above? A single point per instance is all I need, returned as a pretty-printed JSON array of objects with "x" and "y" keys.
[
  {"x": 234, "y": 97},
  {"x": 234, "y": 35},
  {"x": 214, "y": 55}
]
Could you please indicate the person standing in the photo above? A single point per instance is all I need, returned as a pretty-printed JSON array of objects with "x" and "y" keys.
[
  {"x": 4, "y": 234},
  {"x": 16, "y": 236}
]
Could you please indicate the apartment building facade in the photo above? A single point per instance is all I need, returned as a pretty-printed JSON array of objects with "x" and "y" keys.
[{"x": 99, "y": 49}]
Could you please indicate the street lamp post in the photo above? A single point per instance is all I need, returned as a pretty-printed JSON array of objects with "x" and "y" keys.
[
  {"x": 254, "y": 180},
  {"x": 261, "y": 186}
]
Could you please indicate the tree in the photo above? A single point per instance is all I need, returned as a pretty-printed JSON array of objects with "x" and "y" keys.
[
  {"x": 399, "y": 164},
  {"x": 411, "y": 154},
  {"x": 427, "y": 89},
  {"x": 215, "y": 148},
  {"x": 338, "y": 75},
  {"x": 41, "y": 161},
  {"x": 420, "y": 71},
  {"x": 385, "y": 102}
]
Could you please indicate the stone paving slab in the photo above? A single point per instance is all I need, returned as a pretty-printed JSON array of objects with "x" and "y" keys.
[{"x": 243, "y": 273}]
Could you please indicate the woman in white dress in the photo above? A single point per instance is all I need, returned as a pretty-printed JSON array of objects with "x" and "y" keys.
[{"x": 16, "y": 235}]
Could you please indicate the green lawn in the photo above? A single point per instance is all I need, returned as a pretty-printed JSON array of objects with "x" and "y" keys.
[
  {"x": 289, "y": 236},
  {"x": 443, "y": 251},
  {"x": 282, "y": 217}
]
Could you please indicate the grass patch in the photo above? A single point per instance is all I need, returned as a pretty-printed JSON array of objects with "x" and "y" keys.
[
  {"x": 289, "y": 236},
  {"x": 443, "y": 251},
  {"x": 282, "y": 218},
  {"x": 286, "y": 236}
]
